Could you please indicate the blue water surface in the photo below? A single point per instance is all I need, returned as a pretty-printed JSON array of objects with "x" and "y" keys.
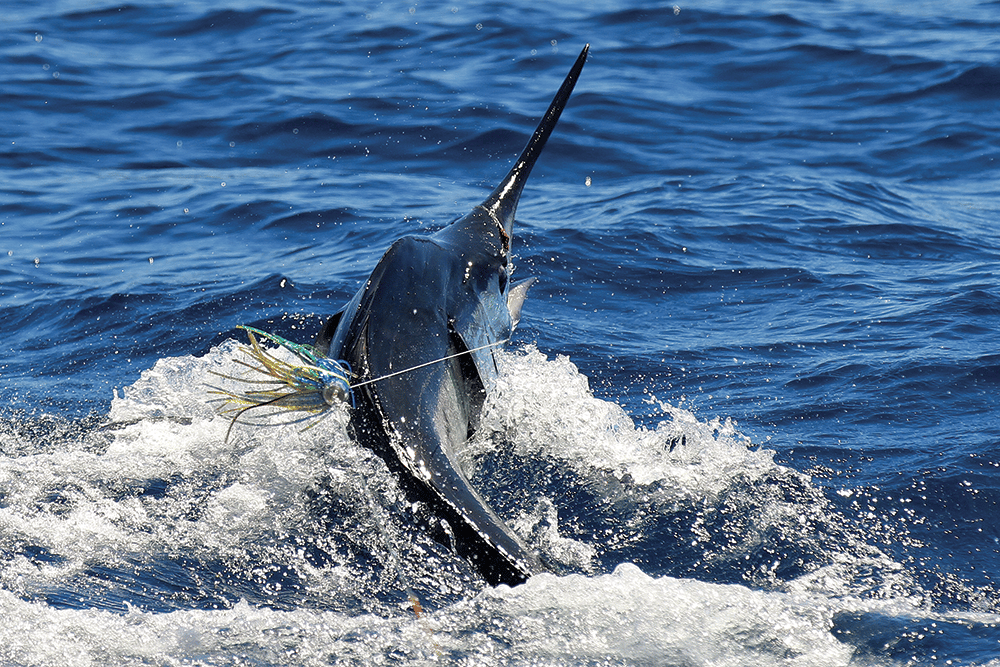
[{"x": 766, "y": 234}]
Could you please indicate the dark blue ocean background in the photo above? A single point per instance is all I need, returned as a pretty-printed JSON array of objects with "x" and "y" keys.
[{"x": 750, "y": 413}]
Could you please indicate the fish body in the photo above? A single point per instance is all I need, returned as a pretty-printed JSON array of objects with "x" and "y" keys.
[{"x": 421, "y": 335}]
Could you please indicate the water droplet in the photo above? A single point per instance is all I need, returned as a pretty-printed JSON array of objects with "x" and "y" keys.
[
  {"x": 38, "y": 38},
  {"x": 587, "y": 181},
  {"x": 479, "y": 26},
  {"x": 179, "y": 143}
]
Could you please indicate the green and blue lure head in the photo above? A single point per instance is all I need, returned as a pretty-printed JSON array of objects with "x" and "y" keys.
[{"x": 312, "y": 387}]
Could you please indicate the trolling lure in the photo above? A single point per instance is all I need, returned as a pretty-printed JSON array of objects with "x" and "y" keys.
[
  {"x": 315, "y": 386},
  {"x": 312, "y": 387}
]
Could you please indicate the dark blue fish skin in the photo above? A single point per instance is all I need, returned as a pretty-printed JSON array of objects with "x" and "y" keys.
[{"x": 444, "y": 296}]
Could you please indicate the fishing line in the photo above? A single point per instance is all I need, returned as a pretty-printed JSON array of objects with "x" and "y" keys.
[{"x": 430, "y": 363}]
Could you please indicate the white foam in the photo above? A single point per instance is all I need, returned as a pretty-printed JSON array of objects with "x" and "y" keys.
[
  {"x": 623, "y": 618},
  {"x": 545, "y": 407},
  {"x": 82, "y": 501},
  {"x": 219, "y": 497}
]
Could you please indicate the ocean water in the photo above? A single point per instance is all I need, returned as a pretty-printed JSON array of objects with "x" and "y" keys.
[{"x": 750, "y": 413}]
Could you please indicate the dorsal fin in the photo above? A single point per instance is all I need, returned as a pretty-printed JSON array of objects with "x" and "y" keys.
[{"x": 502, "y": 203}]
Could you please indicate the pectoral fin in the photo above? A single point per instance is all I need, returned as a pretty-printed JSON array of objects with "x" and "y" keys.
[{"x": 515, "y": 299}]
